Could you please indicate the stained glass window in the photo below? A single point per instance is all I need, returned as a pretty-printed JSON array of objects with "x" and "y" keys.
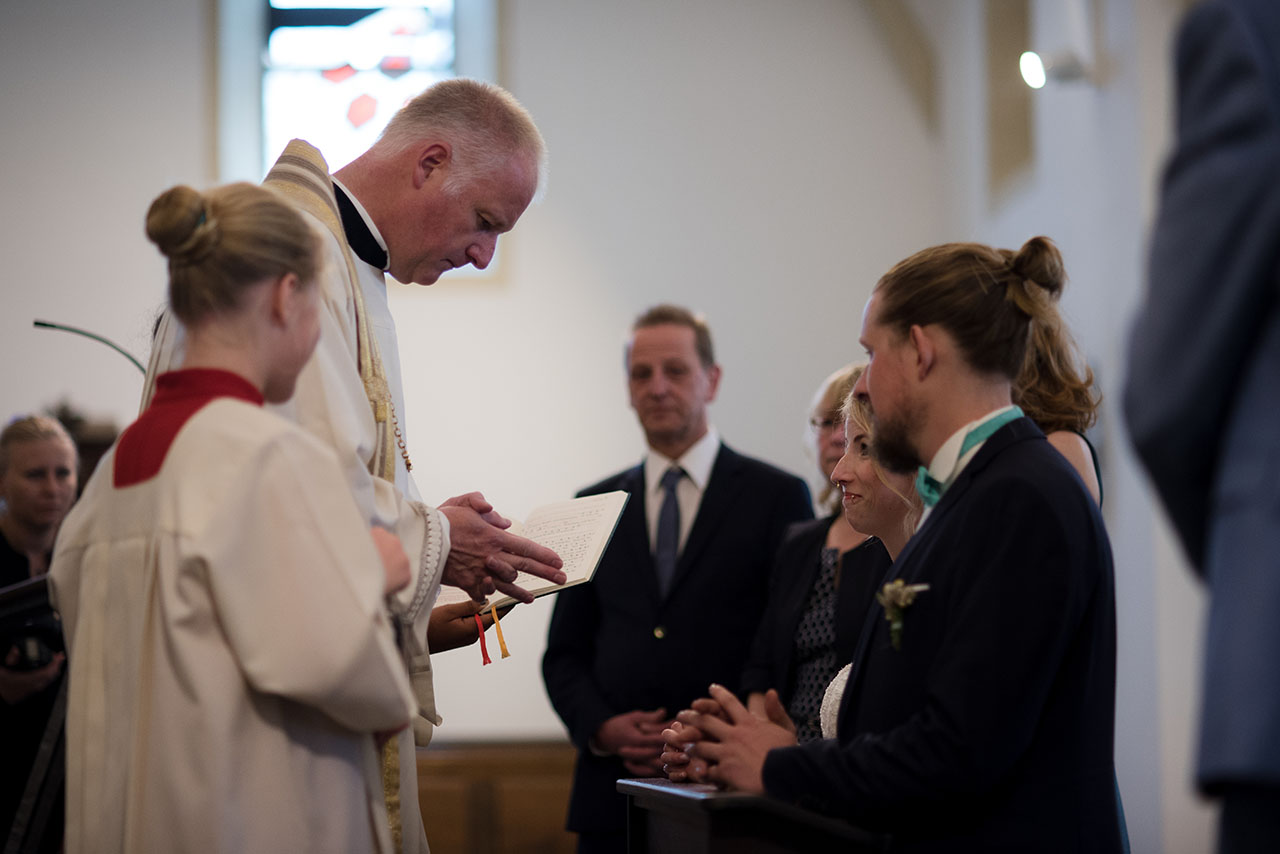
[{"x": 336, "y": 70}]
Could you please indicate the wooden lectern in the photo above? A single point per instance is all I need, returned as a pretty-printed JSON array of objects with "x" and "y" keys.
[{"x": 690, "y": 818}]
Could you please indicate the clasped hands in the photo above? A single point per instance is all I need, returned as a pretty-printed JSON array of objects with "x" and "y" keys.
[
  {"x": 721, "y": 741},
  {"x": 636, "y": 739}
]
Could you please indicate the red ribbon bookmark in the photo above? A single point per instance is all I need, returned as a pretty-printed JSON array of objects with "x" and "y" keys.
[{"x": 484, "y": 650}]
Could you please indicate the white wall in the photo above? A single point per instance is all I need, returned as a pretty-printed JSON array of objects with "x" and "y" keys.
[
  {"x": 759, "y": 161},
  {"x": 103, "y": 106},
  {"x": 681, "y": 170}
]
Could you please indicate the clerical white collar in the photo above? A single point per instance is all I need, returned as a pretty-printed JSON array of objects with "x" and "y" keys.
[
  {"x": 696, "y": 462},
  {"x": 947, "y": 463},
  {"x": 368, "y": 220}
]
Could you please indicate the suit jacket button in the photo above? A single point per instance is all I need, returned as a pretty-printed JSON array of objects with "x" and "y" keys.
[{"x": 659, "y": 632}]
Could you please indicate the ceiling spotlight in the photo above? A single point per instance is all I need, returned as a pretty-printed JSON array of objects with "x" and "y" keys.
[
  {"x": 1032, "y": 69},
  {"x": 1063, "y": 67}
]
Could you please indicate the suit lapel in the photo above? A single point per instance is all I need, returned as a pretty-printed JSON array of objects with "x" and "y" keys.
[
  {"x": 716, "y": 500},
  {"x": 873, "y": 616},
  {"x": 1015, "y": 431},
  {"x": 632, "y": 536}
]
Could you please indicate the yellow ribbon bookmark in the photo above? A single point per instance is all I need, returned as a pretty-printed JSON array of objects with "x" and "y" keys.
[{"x": 502, "y": 642}]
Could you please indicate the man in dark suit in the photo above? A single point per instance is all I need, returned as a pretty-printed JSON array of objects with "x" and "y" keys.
[
  {"x": 680, "y": 590},
  {"x": 1204, "y": 383},
  {"x": 980, "y": 710}
]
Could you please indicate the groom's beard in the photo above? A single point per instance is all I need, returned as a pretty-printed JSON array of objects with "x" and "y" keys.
[{"x": 891, "y": 445}]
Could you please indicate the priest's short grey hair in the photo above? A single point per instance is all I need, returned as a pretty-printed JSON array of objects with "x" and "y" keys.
[{"x": 484, "y": 124}]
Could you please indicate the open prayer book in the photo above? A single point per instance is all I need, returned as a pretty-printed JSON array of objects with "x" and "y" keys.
[{"x": 578, "y": 530}]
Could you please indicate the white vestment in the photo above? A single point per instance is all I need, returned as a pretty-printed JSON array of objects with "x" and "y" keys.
[
  {"x": 230, "y": 656},
  {"x": 332, "y": 401}
]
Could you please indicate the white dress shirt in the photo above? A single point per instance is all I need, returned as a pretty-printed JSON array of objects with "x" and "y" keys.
[
  {"x": 947, "y": 463},
  {"x": 697, "y": 463}
]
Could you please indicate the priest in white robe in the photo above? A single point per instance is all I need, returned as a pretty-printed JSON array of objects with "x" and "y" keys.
[{"x": 453, "y": 171}]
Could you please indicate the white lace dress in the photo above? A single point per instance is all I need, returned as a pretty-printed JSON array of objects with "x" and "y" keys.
[{"x": 829, "y": 714}]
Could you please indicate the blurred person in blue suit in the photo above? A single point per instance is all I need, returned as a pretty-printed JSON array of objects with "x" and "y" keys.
[{"x": 1203, "y": 385}]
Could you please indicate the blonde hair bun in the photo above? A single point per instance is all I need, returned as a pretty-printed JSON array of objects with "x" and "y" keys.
[
  {"x": 223, "y": 242},
  {"x": 180, "y": 223}
]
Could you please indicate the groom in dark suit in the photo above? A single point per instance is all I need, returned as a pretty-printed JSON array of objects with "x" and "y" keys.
[
  {"x": 680, "y": 590},
  {"x": 980, "y": 710}
]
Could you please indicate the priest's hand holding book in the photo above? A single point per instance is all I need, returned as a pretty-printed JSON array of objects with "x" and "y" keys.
[
  {"x": 485, "y": 558},
  {"x": 561, "y": 546},
  {"x": 569, "y": 535}
]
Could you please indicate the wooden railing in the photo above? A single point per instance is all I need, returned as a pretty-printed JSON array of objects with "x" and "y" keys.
[{"x": 496, "y": 798}]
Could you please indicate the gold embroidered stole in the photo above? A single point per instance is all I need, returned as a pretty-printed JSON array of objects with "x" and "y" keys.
[{"x": 302, "y": 175}]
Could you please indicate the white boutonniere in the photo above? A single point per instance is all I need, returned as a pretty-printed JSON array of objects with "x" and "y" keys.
[{"x": 895, "y": 597}]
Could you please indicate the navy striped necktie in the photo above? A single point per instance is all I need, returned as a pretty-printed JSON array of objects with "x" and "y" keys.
[{"x": 667, "y": 547}]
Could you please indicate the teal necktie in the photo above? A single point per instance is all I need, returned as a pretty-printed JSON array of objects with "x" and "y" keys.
[{"x": 929, "y": 487}]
